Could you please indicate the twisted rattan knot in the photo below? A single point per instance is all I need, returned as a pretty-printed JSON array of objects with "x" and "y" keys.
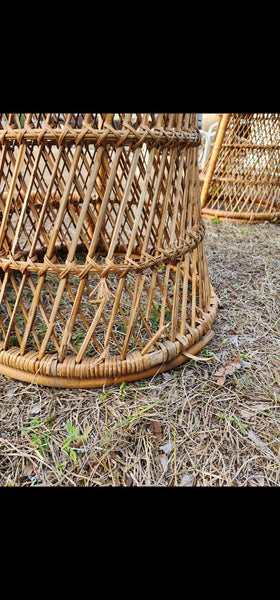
[
  {"x": 48, "y": 264},
  {"x": 122, "y": 135},
  {"x": 71, "y": 267},
  {"x": 90, "y": 264},
  {"x": 110, "y": 267},
  {"x": 13, "y": 261},
  {"x": 30, "y": 262},
  {"x": 66, "y": 130}
]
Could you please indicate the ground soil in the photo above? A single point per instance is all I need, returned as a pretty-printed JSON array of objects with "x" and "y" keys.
[{"x": 186, "y": 427}]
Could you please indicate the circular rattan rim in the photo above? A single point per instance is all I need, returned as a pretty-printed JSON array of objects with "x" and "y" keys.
[{"x": 91, "y": 373}]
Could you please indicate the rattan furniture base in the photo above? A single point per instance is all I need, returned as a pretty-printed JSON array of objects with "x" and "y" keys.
[
  {"x": 69, "y": 374},
  {"x": 103, "y": 273},
  {"x": 241, "y": 177}
]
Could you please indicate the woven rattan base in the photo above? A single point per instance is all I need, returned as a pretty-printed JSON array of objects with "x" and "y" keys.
[
  {"x": 240, "y": 179},
  {"x": 49, "y": 372},
  {"x": 103, "y": 273}
]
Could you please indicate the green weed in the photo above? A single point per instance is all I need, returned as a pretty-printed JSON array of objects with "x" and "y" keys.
[
  {"x": 72, "y": 437},
  {"x": 234, "y": 419},
  {"x": 38, "y": 440}
]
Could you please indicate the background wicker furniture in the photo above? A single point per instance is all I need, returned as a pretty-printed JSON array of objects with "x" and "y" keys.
[
  {"x": 103, "y": 275},
  {"x": 241, "y": 178}
]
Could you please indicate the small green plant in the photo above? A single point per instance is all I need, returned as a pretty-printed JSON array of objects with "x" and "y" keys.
[
  {"x": 216, "y": 221},
  {"x": 124, "y": 386},
  {"x": 42, "y": 330},
  {"x": 72, "y": 437},
  {"x": 155, "y": 315},
  {"x": 234, "y": 419},
  {"x": 206, "y": 352},
  {"x": 78, "y": 338},
  {"x": 123, "y": 389},
  {"x": 38, "y": 440}
]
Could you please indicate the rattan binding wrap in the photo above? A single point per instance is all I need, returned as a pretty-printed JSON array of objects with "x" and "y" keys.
[
  {"x": 103, "y": 274},
  {"x": 241, "y": 178}
]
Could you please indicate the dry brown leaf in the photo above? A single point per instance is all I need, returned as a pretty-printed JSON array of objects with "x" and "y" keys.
[
  {"x": 227, "y": 369},
  {"x": 27, "y": 467},
  {"x": 156, "y": 429},
  {"x": 220, "y": 380}
]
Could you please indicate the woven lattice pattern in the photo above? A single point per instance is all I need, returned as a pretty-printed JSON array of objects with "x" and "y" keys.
[
  {"x": 103, "y": 275},
  {"x": 241, "y": 179}
]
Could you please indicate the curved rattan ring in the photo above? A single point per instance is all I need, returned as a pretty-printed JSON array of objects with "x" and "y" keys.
[{"x": 103, "y": 273}]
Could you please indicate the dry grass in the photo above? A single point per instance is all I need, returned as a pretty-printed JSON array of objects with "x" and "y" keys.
[{"x": 179, "y": 428}]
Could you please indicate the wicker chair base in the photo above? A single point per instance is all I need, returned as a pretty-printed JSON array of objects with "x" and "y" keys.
[
  {"x": 240, "y": 180},
  {"x": 103, "y": 272},
  {"x": 89, "y": 373}
]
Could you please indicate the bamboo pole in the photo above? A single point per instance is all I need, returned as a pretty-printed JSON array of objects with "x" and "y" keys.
[{"x": 214, "y": 157}]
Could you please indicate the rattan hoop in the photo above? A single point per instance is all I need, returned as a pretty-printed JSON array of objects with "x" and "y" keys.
[
  {"x": 103, "y": 274},
  {"x": 241, "y": 178}
]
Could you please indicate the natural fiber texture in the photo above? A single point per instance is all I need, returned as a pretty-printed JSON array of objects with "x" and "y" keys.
[
  {"x": 241, "y": 178},
  {"x": 103, "y": 275}
]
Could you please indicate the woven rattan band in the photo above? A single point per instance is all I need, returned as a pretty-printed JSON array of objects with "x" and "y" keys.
[{"x": 165, "y": 138}]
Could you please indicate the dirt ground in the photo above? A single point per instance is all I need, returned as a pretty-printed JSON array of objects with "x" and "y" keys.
[{"x": 186, "y": 427}]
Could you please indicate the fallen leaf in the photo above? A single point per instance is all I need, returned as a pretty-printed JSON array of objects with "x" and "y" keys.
[
  {"x": 227, "y": 369},
  {"x": 245, "y": 414},
  {"x": 27, "y": 467},
  {"x": 79, "y": 443},
  {"x": 220, "y": 380},
  {"x": 245, "y": 363},
  {"x": 275, "y": 389},
  {"x": 156, "y": 429},
  {"x": 11, "y": 392}
]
